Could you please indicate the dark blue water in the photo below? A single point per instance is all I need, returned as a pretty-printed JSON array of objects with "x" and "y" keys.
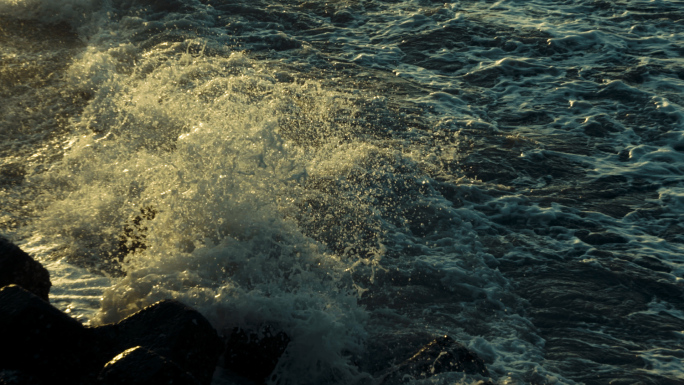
[{"x": 365, "y": 175}]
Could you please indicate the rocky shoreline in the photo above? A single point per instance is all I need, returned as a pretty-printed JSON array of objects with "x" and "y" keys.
[{"x": 165, "y": 343}]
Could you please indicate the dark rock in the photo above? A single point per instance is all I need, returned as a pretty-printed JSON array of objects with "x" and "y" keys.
[
  {"x": 254, "y": 354},
  {"x": 439, "y": 356},
  {"x": 395, "y": 344},
  {"x": 17, "y": 267},
  {"x": 14, "y": 377},
  {"x": 172, "y": 330},
  {"x": 140, "y": 366},
  {"x": 40, "y": 340}
]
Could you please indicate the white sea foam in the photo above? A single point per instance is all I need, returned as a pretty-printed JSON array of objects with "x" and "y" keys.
[
  {"x": 195, "y": 139},
  {"x": 282, "y": 200}
]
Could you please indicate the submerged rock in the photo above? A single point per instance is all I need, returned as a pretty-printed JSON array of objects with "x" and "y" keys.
[
  {"x": 172, "y": 330},
  {"x": 17, "y": 267},
  {"x": 439, "y": 356},
  {"x": 140, "y": 366},
  {"x": 254, "y": 354}
]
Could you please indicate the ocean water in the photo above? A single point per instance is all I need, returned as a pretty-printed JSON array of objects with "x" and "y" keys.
[{"x": 365, "y": 175}]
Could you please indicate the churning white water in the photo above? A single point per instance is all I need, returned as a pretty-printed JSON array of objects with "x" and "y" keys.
[{"x": 364, "y": 175}]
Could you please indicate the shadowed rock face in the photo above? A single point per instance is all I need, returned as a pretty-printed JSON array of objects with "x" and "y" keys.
[
  {"x": 140, "y": 366},
  {"x": 17, "y": 267},
  {"x": 39, "y": 340},
  {"x": 172, "y": 330},
  {"x": 39, "y": 343},
  {"x": 254, "y": 355}
]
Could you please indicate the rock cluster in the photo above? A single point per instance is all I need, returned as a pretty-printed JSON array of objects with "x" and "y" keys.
[
  {"x": 254, "y": 355},
  {"x": 165, "y": 343}
]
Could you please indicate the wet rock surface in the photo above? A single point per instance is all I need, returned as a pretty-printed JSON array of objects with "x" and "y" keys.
[
  {"x": 17, "y": 267},
  {"x": 39, "y": 340},
  {"x": 441, "y": 355},
  {"x": 140, "y": 366},
  {"x": 167, "y": 342},
  {"x": 254, "y": 354},
  {"x": 172, "y": 330}
]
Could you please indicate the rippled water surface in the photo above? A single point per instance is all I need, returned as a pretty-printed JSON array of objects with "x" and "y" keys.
[{"x": 365, "y": 175}]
